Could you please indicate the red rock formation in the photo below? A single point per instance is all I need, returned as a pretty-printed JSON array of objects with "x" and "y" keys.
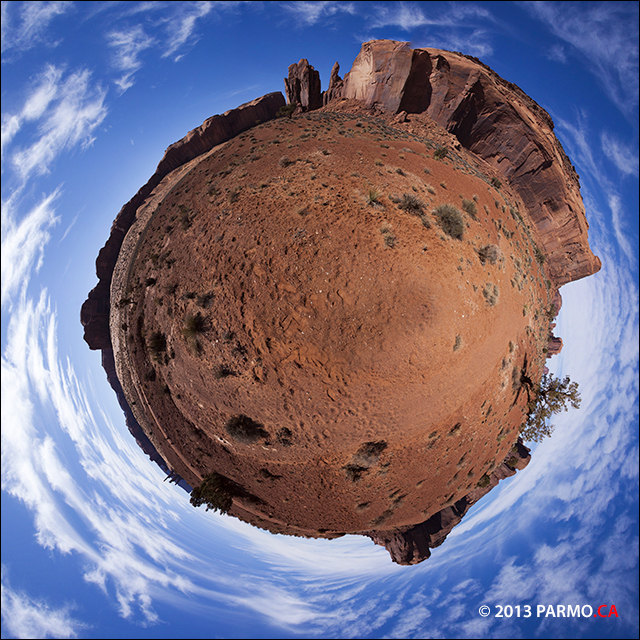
[
  {"x": 94, "y": 314},
  {"x": 554, "y": 346},
  {"x": 303, "y": 86},
  {"x": 336, "y": 85},
  {"x": 411, "y": 545},
  {"x": 497, "y": 121}
]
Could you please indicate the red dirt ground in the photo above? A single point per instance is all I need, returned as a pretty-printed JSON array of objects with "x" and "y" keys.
[{"x": 333, "y": 318}]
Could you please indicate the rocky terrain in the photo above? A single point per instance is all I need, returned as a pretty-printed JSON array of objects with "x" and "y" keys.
[{"x": 333, "y": 307}]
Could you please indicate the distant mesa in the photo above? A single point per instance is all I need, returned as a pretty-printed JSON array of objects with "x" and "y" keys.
[{"x": 325, "y": 320}]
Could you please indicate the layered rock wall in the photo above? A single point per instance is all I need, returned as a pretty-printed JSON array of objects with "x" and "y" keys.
[
  {"x": 411, "y": 545},
  {"x": 495, "y": 120},
  {"x": 302, "y": 86},
  {"x": 94, "y": 314}
]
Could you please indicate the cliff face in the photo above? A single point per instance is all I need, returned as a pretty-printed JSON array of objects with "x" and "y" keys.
[
  {"x": 495, "y": 120},
  {"x": 411, "y": 545},
  {"x": 94, "y": 314}
]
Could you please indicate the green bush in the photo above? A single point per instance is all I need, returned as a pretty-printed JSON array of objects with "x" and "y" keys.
[
  {"x": 450, "y": 219},
  {"x": 496, "y": 183},
  {"x": 244, "y": 429},
  {"x": 440, "y": 153},
  {"x": 373, "y": 197},
  {"x": 214, "y": 492}
]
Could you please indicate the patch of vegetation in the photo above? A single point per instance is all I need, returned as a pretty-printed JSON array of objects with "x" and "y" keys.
[
  {"x": 204, "y": 299},
  {"x": 284, "y": 436},
  {"x": 483, "y": 482},
  {"x": 373, "y": 198},
  {"x": 450, "y": 219},
  {"x": 245, "y": 430},
  {"x": 285, "y": 161},
  {"x": 458, "y": 343},
  {"x": 440, "y": 153},
  {"x": 551, "y": 397},
  {"x": 490, "y": 293},
  {"x": 470, "y": 207},
  {"x": 411, "y": 204},
  {"x": 157, "y": 344},
  {"x": 214, "y": 492},
  {"x": 496, "y": 183},
  {"x": 540, "y": 257},
  {"x": 389, "y": 239},
  {"x": 489, "y": 253}
]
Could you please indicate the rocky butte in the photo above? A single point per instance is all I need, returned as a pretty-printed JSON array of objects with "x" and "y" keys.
[{"x": 330, "y": 307}]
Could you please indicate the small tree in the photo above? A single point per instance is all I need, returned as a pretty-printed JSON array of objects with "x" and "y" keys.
[
  {"x": 213, "y": 492},
  {"x": 553, "y": 396}
]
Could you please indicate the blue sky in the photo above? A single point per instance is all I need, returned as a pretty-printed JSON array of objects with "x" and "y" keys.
[{"x": 94, "y": 544}]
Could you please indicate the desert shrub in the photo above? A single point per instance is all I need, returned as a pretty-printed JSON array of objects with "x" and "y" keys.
[
  {"x": 285, "y": 161},
  {"x": 411, "y": 204},
  {"x": 214, "y": 492},
  {"x": 470, "y": 207},
  {"x": 284, "y": 436},
  {"x": 483, "y": 482},
  {"x": 440, "y": 153},
  {"x": 204, "y": 299},
  {"x": 373, "y": 197},
  {"x": 457, "y": 343},
  {"x": 222, "y": 372},
  {"x": 244, "y": 429},
  {"x": 354, "y": 472},
  {"x": 540, "y": 257},
  {"x": 490, "y": 293},
  {"x": 157, "y": 343},
  {"x": 287, "y": 110},
  {"x": 496, "y": 183},
  {"x": 450, "y": 219},
  {"x": 194, "y": 326},
  {"x": 489, "y": 253}
]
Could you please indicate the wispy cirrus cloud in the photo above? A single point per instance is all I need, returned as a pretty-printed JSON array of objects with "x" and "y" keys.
[
  {"x": 66, "y": 107},
  {"x": 310, "y": 13},
  {"x": 26, "y": 617},
  {"x": 24, "y": 24},
  {"x": 23, "y": 244},
  {"x": 454, "y": 26},
  {"x": 623, "y": 156},
  {"x": 182, "y": 27},
  {"x": 127, "y": 45},
  {"x": 606, "y": 35}
]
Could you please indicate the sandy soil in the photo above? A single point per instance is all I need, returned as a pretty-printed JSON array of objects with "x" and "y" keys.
[{"x": 347, "y": 363}]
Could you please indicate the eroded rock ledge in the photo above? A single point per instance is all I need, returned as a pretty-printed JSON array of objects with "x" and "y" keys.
[
  {"x": 412, "y": 545},
  {"x": 491, "y": 117}
]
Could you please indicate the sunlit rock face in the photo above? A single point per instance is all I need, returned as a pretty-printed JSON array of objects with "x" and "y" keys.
[{"x": 334, "y": 312}]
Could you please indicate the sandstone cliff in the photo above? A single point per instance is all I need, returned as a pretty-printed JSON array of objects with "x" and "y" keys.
[
  {"x": 94, "y": 314},
  {"x": 411, "y": 545},
  {"x": 492, "y": 118}
]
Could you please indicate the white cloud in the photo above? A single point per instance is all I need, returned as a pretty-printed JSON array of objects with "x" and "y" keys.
[
  {"x": 606, "y": 34},
  {"x": 24, "y": 24},
  {"x": 64, "y": 121},
  {"x": 26, "y": 617},
  {"x": 182, "y": 26},
  {"x": 23, "y": 244},
  {"x": 310, "y": 13},
  {"x": 127, "y": 45},
  {"x": 620, "y": 154}
]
